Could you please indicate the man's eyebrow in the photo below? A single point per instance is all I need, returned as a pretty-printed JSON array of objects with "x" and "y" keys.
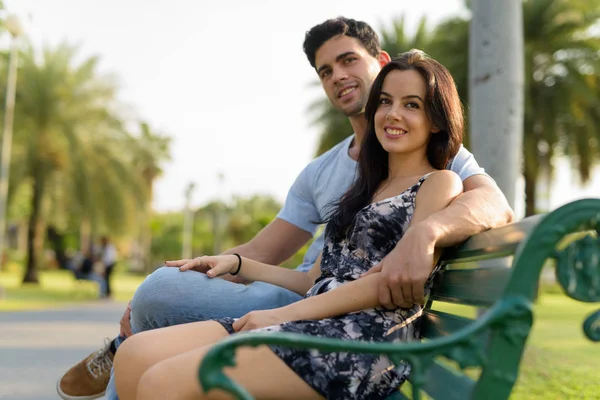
[{"x": 337, "y": 59}]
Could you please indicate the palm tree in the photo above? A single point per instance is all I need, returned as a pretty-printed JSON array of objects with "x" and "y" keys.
[
  {"x": 149, "y": 150},
  {"x": 561, "y": 88},
  {"x": 562, "y": 104},
  {"x": 69, "y": 146}
]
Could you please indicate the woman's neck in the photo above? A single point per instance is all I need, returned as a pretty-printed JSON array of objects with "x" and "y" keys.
[{"x": 411, "y": 164}]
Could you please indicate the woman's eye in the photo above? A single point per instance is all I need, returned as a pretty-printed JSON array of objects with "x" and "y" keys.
[
  {"x": 383, "y": 100},
  {"x": 412, "y": 105}
]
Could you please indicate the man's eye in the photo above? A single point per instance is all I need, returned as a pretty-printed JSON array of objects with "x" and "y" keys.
[
  {"x": 349, "y": 60},
  {"x": 325, "y": 74}
]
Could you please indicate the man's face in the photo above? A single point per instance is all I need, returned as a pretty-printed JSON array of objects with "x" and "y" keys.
[{"x": 347, "y": 71}]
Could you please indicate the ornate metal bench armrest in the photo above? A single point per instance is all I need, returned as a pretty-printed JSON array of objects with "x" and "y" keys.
[{"x": 461, "y": 346}]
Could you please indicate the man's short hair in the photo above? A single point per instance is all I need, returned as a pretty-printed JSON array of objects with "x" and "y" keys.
[{"x": 340, "y": 26}]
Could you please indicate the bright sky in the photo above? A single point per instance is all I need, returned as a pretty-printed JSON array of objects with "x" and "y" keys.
[{"x": 226, "y": 79}]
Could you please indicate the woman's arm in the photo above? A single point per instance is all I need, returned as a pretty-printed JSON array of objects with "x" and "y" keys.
[
  {"x": 435, "y": 194},
  {"x": 295, "y": 281},
  {"x": 251, "y": 270},
  {"x": 353, "y": 296}
]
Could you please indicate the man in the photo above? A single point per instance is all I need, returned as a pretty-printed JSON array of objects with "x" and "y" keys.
[
  {"x": 347, "y": 56},
  {"x": 108, "y": 256}
]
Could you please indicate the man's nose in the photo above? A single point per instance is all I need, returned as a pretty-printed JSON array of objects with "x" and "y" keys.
[{"x": 339, "y": 74}]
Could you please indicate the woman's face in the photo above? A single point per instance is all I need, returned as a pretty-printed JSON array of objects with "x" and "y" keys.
[{"x": 401, "y": 124}]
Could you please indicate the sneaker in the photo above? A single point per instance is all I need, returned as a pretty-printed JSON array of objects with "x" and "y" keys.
[{"x": 88, "y": 379}]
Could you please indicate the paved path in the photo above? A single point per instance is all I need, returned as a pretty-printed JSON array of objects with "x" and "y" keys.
[{"x": 37, "y": 347}]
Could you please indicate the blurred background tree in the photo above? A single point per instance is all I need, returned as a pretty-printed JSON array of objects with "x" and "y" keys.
[
  {"x": 562, "y": 92},
  {"x": 76, "y": 168},
  {"x": 244, "y": 217},
  {"x": 82, "y": 167}
]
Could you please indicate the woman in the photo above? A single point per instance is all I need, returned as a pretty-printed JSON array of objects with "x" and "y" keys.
[{"x": 415, "y": 126}]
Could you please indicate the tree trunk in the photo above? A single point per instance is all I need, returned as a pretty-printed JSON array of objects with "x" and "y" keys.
[
  {"x": 530, "y": 192},
  {"x": 146, "y": 250},
  {"x": 496, "y": 83},
  {"x": 85, "y": 234},
  {"x": 35, "y": 229},
  {"x": 57, "y": 241}
]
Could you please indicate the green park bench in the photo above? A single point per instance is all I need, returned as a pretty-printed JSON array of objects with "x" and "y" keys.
[{"x": 497, "y": 271}]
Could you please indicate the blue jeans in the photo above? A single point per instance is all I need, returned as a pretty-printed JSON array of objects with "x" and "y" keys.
[{"x": 169, "y": 297}]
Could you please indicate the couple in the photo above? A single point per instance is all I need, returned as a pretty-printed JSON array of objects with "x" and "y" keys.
[{"x": 407, "y": 114}]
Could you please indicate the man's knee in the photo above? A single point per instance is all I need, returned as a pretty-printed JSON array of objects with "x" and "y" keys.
[
  {"x": 161, "y": 298},
  {"x": 170, "y": 297}
]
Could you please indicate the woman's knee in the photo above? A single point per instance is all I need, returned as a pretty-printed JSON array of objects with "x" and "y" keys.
[
  {"x": 127, "y": 365},
  {"x": 152, "y": 384},
  {"x": 159, "y": 382}
]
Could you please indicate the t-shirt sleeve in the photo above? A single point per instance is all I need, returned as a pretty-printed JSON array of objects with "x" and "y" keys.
[
  {"x": 465, "y": 165},
  {"x": 299, "y": 208}
]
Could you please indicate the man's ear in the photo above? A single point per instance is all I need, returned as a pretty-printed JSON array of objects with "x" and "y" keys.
[{"x": 384, "y": 58}]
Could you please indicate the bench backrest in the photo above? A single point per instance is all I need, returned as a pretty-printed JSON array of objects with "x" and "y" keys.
[{"x": 498, "y": 271}]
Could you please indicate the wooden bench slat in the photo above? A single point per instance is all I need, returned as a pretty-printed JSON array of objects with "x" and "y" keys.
[
  {"x": 475, "y": 287},
  {"x": 398, "y": 395},
  {"x": 493, "y": 243},
  {"x": 442, "y": 382},
  {"x": 438, "y": 323}
]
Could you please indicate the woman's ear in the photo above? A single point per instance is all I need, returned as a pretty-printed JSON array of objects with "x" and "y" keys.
[{"x": 435, "y": 129}]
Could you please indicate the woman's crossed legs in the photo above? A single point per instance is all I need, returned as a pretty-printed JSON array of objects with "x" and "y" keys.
[{"x": 163, "y": 364}]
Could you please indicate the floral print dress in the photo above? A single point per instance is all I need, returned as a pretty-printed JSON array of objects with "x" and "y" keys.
[{"x": 377, "y": 228}]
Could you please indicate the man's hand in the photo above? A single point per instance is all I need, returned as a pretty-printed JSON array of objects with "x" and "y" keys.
[
  {"x": 125, "y": 330},
  {"x": 405, "y": 270},
  {"x": 259, "y": 319}
]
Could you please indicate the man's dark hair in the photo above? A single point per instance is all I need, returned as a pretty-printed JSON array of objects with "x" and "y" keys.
[{"x": 340, "y": 26}]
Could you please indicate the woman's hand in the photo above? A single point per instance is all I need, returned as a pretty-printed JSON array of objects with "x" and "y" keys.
[
  {"x": 212, "y": 266},
  {"x": 260, "y": 319}
]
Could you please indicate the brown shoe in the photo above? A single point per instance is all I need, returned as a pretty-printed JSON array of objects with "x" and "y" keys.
[{"x": 88, "y": 379}]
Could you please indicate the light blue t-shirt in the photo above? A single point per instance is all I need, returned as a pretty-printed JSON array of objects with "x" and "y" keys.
[{"x": 327, "y": 178}]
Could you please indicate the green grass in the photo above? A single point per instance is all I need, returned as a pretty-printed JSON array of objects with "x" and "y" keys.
[
  {"x": 58, "y": 288},
  {"x": 559, "y": 361}
]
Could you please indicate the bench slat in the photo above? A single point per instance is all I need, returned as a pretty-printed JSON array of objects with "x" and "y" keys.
[
  {"x": 398, "y": 395},
  {"x": 442, "y": 382},
  {"x": 438, "y": 323},
  {"x": 493, "y": 243},
  {"x": 475, "y": 287}
]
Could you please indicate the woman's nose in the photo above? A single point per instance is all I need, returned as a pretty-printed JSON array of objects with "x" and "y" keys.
[{"x": 393, "y": 114}]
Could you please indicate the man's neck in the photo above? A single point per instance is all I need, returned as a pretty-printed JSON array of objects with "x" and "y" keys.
[{"x": 359, "y": 125}]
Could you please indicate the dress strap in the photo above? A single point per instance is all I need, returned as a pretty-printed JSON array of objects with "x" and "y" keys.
[{"x": 422, "y": 179}]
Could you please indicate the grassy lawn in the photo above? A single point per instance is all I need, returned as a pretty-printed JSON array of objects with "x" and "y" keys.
[
  {"x": 559, "y": 363},
  {"x": 58, "y": 288}
]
